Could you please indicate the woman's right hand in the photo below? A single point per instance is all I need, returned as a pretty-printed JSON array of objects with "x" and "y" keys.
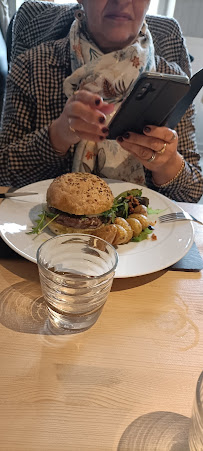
[{"x": 83, "y": 117}]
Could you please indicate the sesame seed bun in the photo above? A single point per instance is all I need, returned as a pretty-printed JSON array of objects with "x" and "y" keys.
[{"x": 80, "y": 194}]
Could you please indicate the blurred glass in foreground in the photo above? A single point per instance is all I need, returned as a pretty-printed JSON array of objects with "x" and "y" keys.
[{"x": 196, "y": 427}]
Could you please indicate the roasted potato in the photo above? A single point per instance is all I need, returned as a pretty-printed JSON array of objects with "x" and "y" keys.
[
  {"x": 135, "y": 225},
  {"x": 143, "y": 220},
  {"x": 121, "y": 235},
  {"x": 123, "y": 223},
  {"x": 141, "y": 209},
  {"x": 107, "y": 233}
]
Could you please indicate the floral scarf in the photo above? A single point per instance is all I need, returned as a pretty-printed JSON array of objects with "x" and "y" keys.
[{"x": 112, "y": 76}]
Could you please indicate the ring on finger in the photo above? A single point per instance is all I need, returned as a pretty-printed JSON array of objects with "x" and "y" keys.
[
  {"x": 163, "y": 149},
  {"x": 72, "y": 129},
  {"x": 75, "y": 93},
  {"x": 152, "y": 158}
]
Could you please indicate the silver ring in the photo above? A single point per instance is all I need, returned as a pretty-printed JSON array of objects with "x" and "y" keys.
[
  {"x": 162, "y": 150},
  {"x": 152, "y": 158}
]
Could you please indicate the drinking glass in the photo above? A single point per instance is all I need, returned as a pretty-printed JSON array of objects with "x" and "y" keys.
[
  {"x": 196, "y": 427},
  {"x": 76, "y": 274}
]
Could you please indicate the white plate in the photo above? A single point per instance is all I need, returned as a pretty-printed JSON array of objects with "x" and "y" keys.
[{"x": 17, "y": 216}]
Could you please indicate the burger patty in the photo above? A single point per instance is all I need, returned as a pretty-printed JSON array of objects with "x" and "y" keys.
[{"x": 76, "y": 221}]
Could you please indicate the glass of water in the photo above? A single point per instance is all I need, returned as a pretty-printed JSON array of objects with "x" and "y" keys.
[
  {"x": 76, "y": 274},
  {"x": 196, "y": 427}
]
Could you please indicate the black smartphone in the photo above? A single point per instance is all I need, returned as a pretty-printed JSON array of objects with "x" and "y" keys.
[{"x": 152, "y": 99}]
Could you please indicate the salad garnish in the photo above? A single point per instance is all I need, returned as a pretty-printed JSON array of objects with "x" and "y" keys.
[{"x": 41, "y": 222}]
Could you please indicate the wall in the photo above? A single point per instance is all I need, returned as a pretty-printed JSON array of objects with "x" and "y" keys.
[
  {"x": 12, "y": 7},
  {"x": 195, "y": 47},
  {"x": 190, "y": 15}
]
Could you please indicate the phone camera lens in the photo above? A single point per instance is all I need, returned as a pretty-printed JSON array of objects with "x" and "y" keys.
[
  {"x": 148, "y": 86},
  {"x": 139, "y": 96},
  {"x": 143, "y": 91}
]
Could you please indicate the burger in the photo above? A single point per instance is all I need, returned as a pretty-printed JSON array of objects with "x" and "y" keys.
[{"x": 80, "y": 202}]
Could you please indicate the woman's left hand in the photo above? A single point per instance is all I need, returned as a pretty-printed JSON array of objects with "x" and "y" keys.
[{"x": 156, "y": 149}]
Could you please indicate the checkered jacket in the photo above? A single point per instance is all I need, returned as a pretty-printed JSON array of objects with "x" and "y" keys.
[{"x": 34, "y": 97}]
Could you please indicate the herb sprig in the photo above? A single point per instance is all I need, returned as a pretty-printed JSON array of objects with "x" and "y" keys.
[{"x": 41, "y": 222}]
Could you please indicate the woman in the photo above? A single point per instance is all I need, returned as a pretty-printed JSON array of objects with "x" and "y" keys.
[{"x": 54, "y": 135}]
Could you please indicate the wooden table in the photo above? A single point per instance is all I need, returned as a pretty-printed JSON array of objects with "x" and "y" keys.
[{"x": 131, "y": 376}]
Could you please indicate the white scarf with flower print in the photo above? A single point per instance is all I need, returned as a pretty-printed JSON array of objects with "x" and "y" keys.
[{"x": 111, "y": 76}]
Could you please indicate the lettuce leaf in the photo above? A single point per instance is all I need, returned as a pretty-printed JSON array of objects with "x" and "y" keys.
[{"x": 142, "y": 236}]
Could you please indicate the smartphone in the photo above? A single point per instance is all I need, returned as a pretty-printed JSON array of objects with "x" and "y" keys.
[{"x": 151, "y": 101}]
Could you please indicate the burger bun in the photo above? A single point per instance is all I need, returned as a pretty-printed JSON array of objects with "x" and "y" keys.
[{"x": 80, "y": 194}]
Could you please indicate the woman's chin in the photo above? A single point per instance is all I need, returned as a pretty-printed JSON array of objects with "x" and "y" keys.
[{"x": 113, "y": 43}]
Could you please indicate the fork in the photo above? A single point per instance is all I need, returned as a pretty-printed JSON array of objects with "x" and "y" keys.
[{"x": 179, "y": 216}]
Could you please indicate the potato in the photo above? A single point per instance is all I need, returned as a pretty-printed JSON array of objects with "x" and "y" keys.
[
  {"x": 122, "y": 222},
  {"x": 142, "y": 209},
  {"x": 121, "y": 235},
  {"x": 107, "y": 233},
  {"x": 144, "y": 221},
  {"x": 135, "y": 225}
]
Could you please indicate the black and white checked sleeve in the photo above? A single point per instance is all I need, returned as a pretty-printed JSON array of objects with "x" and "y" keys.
[{"x": 26, "y": 154}]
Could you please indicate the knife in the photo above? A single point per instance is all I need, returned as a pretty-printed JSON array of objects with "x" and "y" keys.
[{"x": 15, "y": 194}]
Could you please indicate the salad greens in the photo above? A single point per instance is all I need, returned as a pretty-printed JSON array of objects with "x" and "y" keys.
[
  {"x": 41, "y": 222},
  {"x": 121, "y": 204},
  {"x": 150, "y": 211},
  {"x": 142, "y": 236}
]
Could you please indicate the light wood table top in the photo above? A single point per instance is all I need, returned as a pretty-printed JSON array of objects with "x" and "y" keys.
[{"x": 83, "y": 392}]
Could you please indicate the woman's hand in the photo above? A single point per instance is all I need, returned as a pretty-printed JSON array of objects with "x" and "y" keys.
[
  {"x": 156, "y": 150},
  {"x": 83, "y": 117}
]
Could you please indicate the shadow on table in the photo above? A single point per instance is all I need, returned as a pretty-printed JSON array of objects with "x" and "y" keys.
[
  {"x": 23, "y": 309},
  {"x": 134, "y": 282},
  {"x": 14, "y": 263},
  {"x": 156, "y": 431}
]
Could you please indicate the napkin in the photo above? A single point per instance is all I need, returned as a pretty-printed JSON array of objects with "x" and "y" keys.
[{"x": 192, "y": 261}]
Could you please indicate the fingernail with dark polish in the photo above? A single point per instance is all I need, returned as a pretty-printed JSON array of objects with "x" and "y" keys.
[
  {"x": 101, "y": 138},
  {"x": 101, "y": 119},
  {"x": 97, "y": 102},
  {"x": 105, "y": 130},
  {"x": 126, "y": 135},
  {"x": 120, "y": 139},
  {"x": 147, "y": 129}
]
